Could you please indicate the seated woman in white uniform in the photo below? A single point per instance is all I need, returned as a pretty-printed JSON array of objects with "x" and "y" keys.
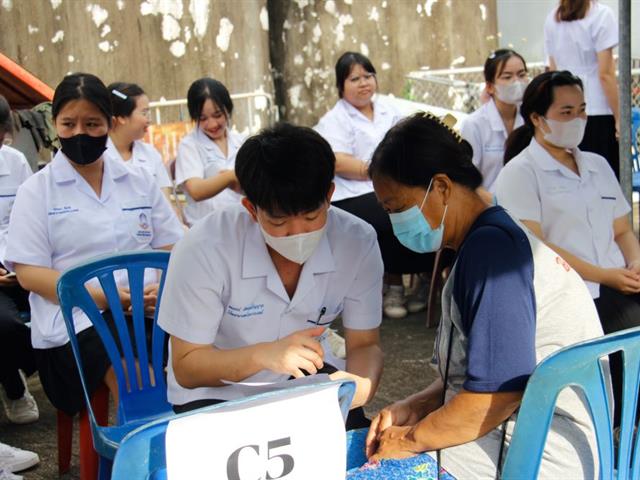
[
  {"x": 487, "y": 129},
  {"x": 81, "y": 205},
  {"x": 252, "y": 304},
  {"x": 572, "y": 200},
  {"x": 353, "y": 128},
  {"x": 206, "y": 156},
  {"x": 130, "y": 124},
  {"x": 18, "y": 359},
  {"x": 580, "y": 36},
  {"x": 488, "y": 344}
]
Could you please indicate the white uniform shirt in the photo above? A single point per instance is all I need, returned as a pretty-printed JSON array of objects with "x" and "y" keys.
[
  {"x": 224, "y": 289},
  {"x": 348, "y": 131},
  {"x": 14, "y": 170},
  {"x": 575, "y": 212},
  {"x": 485, "y": 131},
  {"x": 145, "y": 156},
  {"x": 200, "y": 157},
  {"x": 58, "y": 222},
  {"x": 574, "y": 46}
]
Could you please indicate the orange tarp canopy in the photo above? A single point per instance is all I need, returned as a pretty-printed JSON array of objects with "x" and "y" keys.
[{"x": 21, "y": 88}]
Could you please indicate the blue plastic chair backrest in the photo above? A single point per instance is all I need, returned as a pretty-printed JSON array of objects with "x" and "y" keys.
[
  {"x": 142, "y": 453},
  {"x": 579, "y": 365},
  {"x": 138, "y": 397},
  {"x": 635, "y": 127}
]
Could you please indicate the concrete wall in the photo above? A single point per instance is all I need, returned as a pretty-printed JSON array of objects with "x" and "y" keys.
[
  {"x": 166, "y": 44},
  {"x": 163, "y": 45},
  {"x": 398, "y": 36}
]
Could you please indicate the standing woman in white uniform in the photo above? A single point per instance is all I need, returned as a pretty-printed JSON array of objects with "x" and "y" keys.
[
  {"x": 81, "y": 205},
  {"x": 206, "y": 156},
  {"x": 572, "y": 200},
  {"x": 487, "y": 129},
  {"x": 130, "y": 124},
  {"x": 354, "y": 127},
  {"x": 579, "y": 36}
]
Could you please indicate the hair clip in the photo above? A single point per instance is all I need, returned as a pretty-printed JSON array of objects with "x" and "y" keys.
[
  {"x": 448, "y": 121},
  {"x": 119, "y": 94}
]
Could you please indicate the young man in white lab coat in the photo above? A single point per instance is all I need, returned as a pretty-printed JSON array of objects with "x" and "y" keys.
[{"x": 251, "y": 289}]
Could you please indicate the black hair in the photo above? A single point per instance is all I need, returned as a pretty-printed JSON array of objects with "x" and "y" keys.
[
  {"x": 208, "y": 89},
  {"x": 6, "y": 125},
  {"x": 82, "y": 86},
  {"x": 421, "y": 146},
  {"x": 286, "y": 169},
  {"x": 494, "y": 65},
  {"x": 344, "y": 65},
  {"x": 537, "y": 98},
  {"x": 124, "y": 107}
]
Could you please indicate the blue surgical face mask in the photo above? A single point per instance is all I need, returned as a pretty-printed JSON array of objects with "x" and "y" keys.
[{"x": 414, "y": 232}]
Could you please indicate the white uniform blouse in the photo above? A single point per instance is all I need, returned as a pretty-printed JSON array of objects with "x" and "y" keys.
[
  {"x": 58, "y": 221},
  {"x": 145, "y": 156},
  {"x": 574, "y": 46},
  {"x": 575, "y": 212},
  {"x": 485, "y": 131},
  {"x": 224, "y": 290},
  {"x": 349, "y": 131},
  {"x": 199, "y": 157},
  {"x": 14, "y": 170}
]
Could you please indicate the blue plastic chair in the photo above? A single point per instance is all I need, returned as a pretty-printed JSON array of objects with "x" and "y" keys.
[
  {"x": 142, "y": 453},
  {"x": 141, "y": 402},
  {"x": 579, "y": 366},
  {"x": 635, "y": 154}
]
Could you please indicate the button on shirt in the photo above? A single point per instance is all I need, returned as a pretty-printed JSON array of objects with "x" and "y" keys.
[
  {"x": 575, "y": 45},
  {"x": 576, "y": 212},
  {"x": 485, "y": 131},
  {"x": 14, "y": 170},
  {"x": 145, "y": 156},
  {"x": 225, "y": 291},
  {"x": 200, "y": 157},
  {"x": 348, "y": 131},
  {"x": 58, "y": 221}
]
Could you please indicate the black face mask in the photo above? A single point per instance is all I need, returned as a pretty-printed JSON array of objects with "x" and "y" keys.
[{"x": 84, "y": 149}]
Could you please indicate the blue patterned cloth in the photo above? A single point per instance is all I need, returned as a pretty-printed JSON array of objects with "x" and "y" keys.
[{"x": 420, "y": 467}]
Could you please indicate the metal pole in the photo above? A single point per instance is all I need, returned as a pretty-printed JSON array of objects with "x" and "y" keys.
[{"x": 624, "y": 78}]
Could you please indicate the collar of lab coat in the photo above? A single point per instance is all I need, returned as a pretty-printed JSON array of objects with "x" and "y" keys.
[
  {"x": 63, "y": 172},
  {"x": 379, "y": 109},
  {"x": 256, "y": 262},
  {"x": 495, "y": 120},
  {"x": 548, "y": 163},
  {"x": 211, "y": 146}
]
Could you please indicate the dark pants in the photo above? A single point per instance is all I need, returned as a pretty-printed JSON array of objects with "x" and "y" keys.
[
  {"x": 600, "y": 138},
  {"x": 16, "y": 351},
  {"x": 356, "y": 418},
  {"x": 617, "y": 311},
  {"x": 396, "y": 257}
]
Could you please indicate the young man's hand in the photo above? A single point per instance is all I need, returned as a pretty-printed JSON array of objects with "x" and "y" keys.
[{"x": 294, "y": 353}]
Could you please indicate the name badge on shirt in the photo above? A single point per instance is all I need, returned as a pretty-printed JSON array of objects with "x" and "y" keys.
[{"x": 252, "y": 310}]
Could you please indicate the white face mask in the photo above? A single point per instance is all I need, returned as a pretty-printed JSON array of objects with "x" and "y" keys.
[
  {"x": 565, "y": 134},
  {"x": 297, "y": 248},
  {"x": 511, "y": 93}
]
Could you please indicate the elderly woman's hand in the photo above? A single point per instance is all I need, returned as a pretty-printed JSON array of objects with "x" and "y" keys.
[
  {"x": 399, "y": 414},
  {"x": 395, "y": 442}
]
